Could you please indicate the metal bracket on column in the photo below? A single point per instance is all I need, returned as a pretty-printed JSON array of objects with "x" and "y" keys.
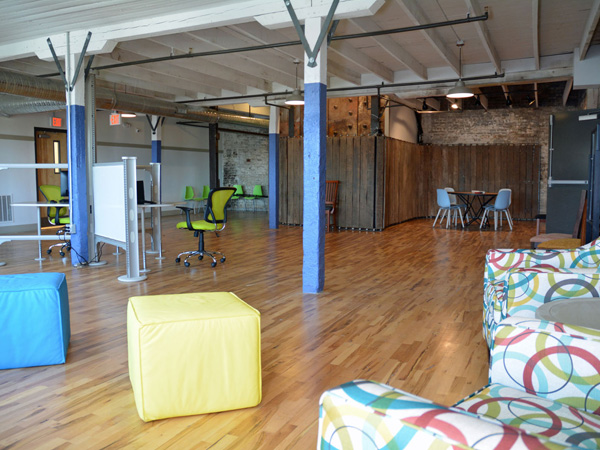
[
  {"x": 160, "y": 121},
  {"x": 69, "y": 85},
  {"x": 311, "y": 53}
]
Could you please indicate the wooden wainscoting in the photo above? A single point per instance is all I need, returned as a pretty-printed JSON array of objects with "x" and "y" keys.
[
  {"x": 356, "y": 161},
  {"x": 487, "y": 168}
]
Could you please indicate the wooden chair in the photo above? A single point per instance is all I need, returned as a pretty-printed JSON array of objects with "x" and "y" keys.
[
  {"x": 564, "y": 240},
  {"x": 331, "y": 190}
]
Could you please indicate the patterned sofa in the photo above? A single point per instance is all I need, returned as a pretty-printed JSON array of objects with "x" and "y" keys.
[
  {"x": 542, "y": 394},
  {"x": 518, "y": 281}
]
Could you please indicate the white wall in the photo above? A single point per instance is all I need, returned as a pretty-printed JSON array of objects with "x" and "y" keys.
[
  {"x": 184, "y": 155},
  {"x": 401, "y": 124}
]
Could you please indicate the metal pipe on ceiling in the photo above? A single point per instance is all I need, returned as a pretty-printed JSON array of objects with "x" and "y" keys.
[
  {"x": 39, "y": 88},
  {"x": 426, "y": 26}
]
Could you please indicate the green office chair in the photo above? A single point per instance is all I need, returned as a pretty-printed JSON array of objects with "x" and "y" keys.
[
  {"x": 257, "y": 193},
  {"x": 190, "y": 196},
  {"x": 215, "y": 218},
  {"x": 239, "y": 193},
  {"x": 205, "y": 192},
  {"x": 56, "y": 216}
]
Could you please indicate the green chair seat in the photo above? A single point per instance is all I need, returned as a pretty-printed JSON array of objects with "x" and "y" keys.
[{"x": 198, "y": 225}]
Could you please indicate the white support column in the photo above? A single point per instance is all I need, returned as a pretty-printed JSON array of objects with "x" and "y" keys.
[{"x": 315, "y": 102}]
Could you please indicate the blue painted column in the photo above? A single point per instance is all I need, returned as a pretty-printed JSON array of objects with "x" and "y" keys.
[
  {"x": 156, "y": 139},
  {"x": 274, "y": 168},
  {"x": 315, "y": 98},
  {"x": 77, "y": 167}
]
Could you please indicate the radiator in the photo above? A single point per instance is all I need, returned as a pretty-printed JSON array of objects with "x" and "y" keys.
[{"x": 6, "y": 213}]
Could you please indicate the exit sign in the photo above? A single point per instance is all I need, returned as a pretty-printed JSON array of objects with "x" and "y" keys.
[
  {"x": 56, "y": 122},
  {"x": 115, "y": 119}
]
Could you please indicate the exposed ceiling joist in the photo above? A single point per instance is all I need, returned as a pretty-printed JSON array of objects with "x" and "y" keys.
[
  {"x": 589, "y": 30},
  {"x": 536, "y": 96},
  {"x": 347, "y": 51},
  {"x": 507, "y": 95},
  {"x": 484, "y": 35},
  {"x": 535, "y": 28},
  {"x": 366, "y": 24},
  {"x": 413, "y": 10},
  {"x": 151, "y": 49}
]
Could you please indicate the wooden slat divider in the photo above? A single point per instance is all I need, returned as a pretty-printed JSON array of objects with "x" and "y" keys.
[{"x": 385, "y": 181}]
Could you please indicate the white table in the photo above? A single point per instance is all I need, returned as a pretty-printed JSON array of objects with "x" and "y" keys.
[
  {"x": 157, "y": 241},
  {"x": 584, "y": 312},
  {"x": 39, "y": 206}
]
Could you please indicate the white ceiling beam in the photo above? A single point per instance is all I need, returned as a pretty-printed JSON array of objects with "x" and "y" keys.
[
  {"x": 237, "y": 62},
  {"x": 387, "y": 43},
  {"x": 535, "y": 28},
  {"x": 186, "y": 75},
  {"x": 262, "y": 35},
  {"x": 279, "y": 17},
  {"x": 150, "y": 49},
  {"x": 219, "y": 39},
  {"x": 144, "y": 74},
  {"x": 567, "y": 91},
  {"x": 589, "y": 29},
  {"x": 484, "y": 34},
  {"x": 134, "y": 90},
  {"x": 414, "y": 12},
  {"x": 346, "y": 50}
]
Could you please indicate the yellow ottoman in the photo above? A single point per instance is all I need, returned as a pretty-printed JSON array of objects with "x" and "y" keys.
[{"x": 193, "y": 354}]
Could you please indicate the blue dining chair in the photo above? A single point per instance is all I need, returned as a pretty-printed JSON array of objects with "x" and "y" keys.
[
  {"x": 448, "y": 208},
  {"x": 500, "y": 206}
]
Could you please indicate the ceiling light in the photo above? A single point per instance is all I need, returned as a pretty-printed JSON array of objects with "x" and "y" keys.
[
  {"x": 128, "y": 115},
  {"x": 460, "y": 90},
  {"x": 296, "y": 98},
  {"x": 454, "y": 105}
]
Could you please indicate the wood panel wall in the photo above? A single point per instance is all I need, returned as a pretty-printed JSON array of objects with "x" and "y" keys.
[
  {"x": 384, "y": 181},
  {"x": 488, "y": 168},
  {"x": 357, "y": 162}
]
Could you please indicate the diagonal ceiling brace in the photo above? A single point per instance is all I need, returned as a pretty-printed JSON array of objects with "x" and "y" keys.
[
  {"x": 311, "y": 53},
  {"x": 69, "y": 85}
]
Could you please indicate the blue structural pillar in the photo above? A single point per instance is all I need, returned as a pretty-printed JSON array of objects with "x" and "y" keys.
[
  {"x": 274, "y": 168},
  {"x": 156, "y": 123},
  {"x": 315, "y": 98},
  {"x": 77, "y": 168}
]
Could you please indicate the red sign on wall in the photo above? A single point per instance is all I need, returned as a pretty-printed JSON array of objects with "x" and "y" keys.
[
  {"x": 115, "y": 119},
  {"x": 56, "y": 122}
]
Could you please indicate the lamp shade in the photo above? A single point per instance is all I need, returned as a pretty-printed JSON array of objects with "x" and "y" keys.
[
  {"x": 460, "y": 91},
  {"x": 296, "y": 98}
]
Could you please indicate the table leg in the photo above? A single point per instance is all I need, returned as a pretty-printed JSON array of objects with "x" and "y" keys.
[
  {"x": 39, "y": 224},
  {"x": 144, "y": 270}
]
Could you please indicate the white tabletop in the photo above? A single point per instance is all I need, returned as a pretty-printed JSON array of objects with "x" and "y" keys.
[
  {"x": 154, "y": 205},
  {"x": 41, "y": 204},
  {"x": 584, "y": 312}
]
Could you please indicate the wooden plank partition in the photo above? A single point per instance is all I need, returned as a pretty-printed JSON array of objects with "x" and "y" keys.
[
  {"x": 384, "y": 181},
  {"x": 356, "y": 161}
]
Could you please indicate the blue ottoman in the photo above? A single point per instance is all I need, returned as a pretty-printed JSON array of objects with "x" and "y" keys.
[{"x": 34, "y": 320}]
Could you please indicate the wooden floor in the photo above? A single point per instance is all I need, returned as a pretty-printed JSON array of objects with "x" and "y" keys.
[{"x": 402, "y": 306}]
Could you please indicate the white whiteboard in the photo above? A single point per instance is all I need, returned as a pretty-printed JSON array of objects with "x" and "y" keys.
[{"x": 110, "y": 215}]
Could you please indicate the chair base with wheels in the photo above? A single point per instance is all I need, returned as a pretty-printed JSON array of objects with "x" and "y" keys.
[
  {"x": 215, "y": 218},
  {"x": 200, "y": 252}
]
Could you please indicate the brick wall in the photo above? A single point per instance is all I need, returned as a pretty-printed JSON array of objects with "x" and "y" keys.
[
  {"x": 498, "y": 126},
  {"x": 245, "y": 161}
]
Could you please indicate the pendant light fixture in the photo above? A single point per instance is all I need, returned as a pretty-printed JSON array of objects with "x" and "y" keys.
[
  {"x": 296, "y": 98},
  {"x": 460, "y": 90}
]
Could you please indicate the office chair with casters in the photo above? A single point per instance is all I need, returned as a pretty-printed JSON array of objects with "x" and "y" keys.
[
  {"x": 56, "y": 216},
  {"x": 215, "y": 218}
]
